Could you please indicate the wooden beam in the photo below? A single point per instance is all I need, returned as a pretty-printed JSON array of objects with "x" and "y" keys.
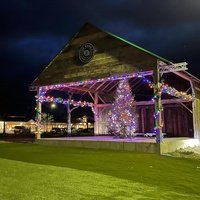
[
  {"x": 133, "y": 85},
  {"x": 101, "y": 98},
  {"x": 150, "y": 103},
  {"x": 103, "y": 105},
  {"x": 102, "y": 110},
  {"x": 113, "y": 86},
  {"x": 137, "y": 86},
  {"x": 89, "y": 89},
  {"x": 91, "y": 96},
  {"x": 182, "y": 76},
  {"x": 186, "y": 107},
  {"x": 107, "y": 85},
  {"x": 80, "y": 89},
  {"x": 33, "y": 88},
  {"x": 164, "y": 101},
  {"x": 100, "y": 85},
  {"x": 158, "y": 104},
  {"x": 188, "y": 90},
  {"x": 198, "y": 89},
  {"x": 163, "y": 68}
]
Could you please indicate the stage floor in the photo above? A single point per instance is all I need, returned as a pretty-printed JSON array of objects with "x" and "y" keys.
[
  {"x": 106, "y": 138},
  {"x": 139, "y": 144}
]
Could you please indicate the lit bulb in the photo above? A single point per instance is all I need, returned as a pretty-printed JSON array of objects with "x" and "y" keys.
[{"x": 53, "y": 105}]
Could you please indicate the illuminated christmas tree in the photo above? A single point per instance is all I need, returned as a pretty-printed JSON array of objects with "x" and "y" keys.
[{"x": 122, "y": 117}]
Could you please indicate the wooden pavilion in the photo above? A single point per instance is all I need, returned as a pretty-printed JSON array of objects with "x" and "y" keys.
[{"x": 91, "y": 65}]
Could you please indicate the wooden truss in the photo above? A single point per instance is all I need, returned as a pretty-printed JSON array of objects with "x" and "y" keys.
[
  {"x": 164, "y": 68},
  {"x": 102, "y": 92}
]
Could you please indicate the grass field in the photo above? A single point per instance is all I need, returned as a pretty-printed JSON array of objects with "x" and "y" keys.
[{"x": 30, "y": 171}]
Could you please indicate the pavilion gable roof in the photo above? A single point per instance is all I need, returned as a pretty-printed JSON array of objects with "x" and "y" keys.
[{"x": 112, "y": 56}]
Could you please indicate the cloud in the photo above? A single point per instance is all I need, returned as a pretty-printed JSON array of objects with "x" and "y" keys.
[
  {"x": 29, "y": 54},
  {"x": 34, "y": 31}
]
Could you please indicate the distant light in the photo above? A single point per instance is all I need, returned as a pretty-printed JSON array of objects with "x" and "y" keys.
[{"x": 53, "y": 105}]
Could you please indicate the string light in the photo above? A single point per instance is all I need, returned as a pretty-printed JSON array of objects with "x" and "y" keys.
[
  {"x": 37, "y": 121},
  {"x": 111, "y": 78},
  {"x": 173, "y": 92},
  {"x": 163, "y": 88},
  {"x": 122, "y": 120},
  {"x": 53, "y": 105},
  {"x": 50, "y": 99}
]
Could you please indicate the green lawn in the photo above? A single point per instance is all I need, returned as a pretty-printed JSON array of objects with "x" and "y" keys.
[{"x": 29, "y": 171}]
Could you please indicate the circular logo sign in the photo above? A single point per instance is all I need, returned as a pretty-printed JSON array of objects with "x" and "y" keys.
[{"x": 86, "y": 52}]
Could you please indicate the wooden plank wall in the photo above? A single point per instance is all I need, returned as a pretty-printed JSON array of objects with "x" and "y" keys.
[
  {"x": 145, "y": 123},
  {"x": 178, "y": 120},
  {"x": 112, "y": 56},
  {"x": 103, "y": 121}
]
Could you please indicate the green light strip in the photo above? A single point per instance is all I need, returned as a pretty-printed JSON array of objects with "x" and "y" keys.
[{"x": 140, "y": 48}]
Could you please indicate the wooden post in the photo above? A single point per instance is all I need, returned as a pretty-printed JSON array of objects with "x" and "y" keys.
[
  {"x": 142, "y": 120},
  {"x": 96, "y": 114},
  {"x": 69, "y": 131},
  {"x": 38, "y": 115},
  {"x": 196, "y": 130},
  {"x": 4, "y": 126},
  {"x": 69, "y": 114},
  {"x": 158, "y": 106},
  {"x": 196, "y": 113},
  {"x": 69, "y": 128}
]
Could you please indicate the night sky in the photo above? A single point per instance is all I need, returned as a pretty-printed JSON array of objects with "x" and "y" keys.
[{"x": 33, "y": 32}]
